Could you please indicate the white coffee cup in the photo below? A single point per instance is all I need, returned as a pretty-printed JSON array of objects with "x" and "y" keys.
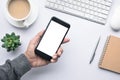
[{"x": 19, "y": 11}]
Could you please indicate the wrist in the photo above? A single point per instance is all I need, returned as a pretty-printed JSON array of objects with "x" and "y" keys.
[{"x": 28, "y": 58}]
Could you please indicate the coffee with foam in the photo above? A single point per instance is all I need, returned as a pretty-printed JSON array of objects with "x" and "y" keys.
[{"x": 19, "y": 8}]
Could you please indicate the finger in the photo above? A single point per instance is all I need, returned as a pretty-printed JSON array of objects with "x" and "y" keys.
[
  {"x": 37, "y": 37},
  {"x": 55, "y": 56},
  {"x": 53, "y": 61},
  {"x": 66, "y": 40},
  {"x": 40, "y": 33},
  {"x": 60, "y": 51}
]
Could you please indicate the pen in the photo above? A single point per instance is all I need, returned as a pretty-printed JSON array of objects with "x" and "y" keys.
[{"x": 94, "y": 51}]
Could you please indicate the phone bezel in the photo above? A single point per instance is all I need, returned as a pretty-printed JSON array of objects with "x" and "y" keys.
[{"x": 45, "y": 55}]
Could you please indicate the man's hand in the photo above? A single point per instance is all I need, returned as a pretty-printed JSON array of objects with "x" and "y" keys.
[{"x": 37, "y": 61}]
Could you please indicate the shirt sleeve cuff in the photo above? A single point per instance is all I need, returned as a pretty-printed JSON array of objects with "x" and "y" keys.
[{"x": 21, "y": 65}]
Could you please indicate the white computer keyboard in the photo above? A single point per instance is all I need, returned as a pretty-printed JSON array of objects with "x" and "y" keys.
[{"x": 93, "y": 10}]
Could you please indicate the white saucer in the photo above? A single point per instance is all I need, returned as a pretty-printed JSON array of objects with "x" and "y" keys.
[{"x": 30, "y": 20}]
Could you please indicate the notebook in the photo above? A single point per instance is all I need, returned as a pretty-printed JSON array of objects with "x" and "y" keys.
[{"x": 110, "y": 59}]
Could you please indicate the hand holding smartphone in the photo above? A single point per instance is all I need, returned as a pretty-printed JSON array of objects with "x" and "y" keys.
[{"x": 52, "y": 38}]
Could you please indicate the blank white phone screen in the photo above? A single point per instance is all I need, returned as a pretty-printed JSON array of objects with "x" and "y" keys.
[{"x": 52, "y": 38}]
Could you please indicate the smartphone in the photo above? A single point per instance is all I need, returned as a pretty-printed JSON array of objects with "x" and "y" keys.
[{"x": 52, "y": 38}]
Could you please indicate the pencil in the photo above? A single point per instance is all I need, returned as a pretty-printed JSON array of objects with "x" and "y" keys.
[{"x": 92, "y": 58}]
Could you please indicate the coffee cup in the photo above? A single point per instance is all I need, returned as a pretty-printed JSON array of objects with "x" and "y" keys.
[{"x": 19, "y": 11}]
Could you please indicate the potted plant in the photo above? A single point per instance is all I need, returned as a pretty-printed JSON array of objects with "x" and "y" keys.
[{"x": 11, "y": 41}]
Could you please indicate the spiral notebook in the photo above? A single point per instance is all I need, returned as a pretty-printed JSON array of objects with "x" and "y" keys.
[{"x": 110, "y": 59}]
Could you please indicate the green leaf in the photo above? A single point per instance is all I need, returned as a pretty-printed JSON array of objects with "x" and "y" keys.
[
  {"x": 12, "y": 34},
  {"x": 19, "y": 43},
  {"x": 3, "y": 40},
  {"x": 8, "y": 50},
  {"x": 16, "y": 41},
  {"x": 7, "y": 35},
  {"x": 3, "y": 45},
  {"x": 18, "y": 36}
]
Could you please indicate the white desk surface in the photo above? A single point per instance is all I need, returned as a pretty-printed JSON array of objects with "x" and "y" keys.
[{"x": 74, "y": 63}]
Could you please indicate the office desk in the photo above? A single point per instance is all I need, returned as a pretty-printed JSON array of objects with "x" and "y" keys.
[{"x": 74, "y": 63}]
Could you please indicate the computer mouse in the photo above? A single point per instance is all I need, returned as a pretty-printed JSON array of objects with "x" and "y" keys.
[{"x": 115, "y": 19}]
